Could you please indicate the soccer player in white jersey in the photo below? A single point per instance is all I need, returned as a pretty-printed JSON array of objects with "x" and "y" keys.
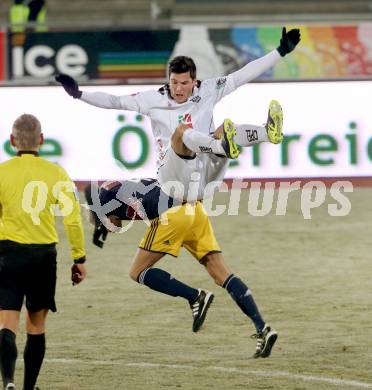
[{"x": 185, "y": 100}]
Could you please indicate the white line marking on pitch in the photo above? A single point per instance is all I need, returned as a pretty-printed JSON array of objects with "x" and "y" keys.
[{"x": 266, "y": 374}]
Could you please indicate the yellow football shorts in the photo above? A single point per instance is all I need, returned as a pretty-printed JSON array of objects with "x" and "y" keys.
[{"x": 188, "y": 226}]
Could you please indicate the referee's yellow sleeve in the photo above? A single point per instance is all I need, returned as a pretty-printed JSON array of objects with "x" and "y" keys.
[{"x": 70, "y": 209}]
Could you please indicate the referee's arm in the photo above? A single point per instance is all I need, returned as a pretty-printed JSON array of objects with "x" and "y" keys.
[
  {"x": 73, "y": 227},
  {"x": 73, "y": 223}
]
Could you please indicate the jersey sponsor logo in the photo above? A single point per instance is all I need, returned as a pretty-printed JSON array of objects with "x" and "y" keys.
[
  {"x": 195, "y": 99},
  {"x": 252, "y": 135},
  {"x": 220, "y": 82},
  {"x": 205, "y": 149},
  {"x": 185, "y": 120}
]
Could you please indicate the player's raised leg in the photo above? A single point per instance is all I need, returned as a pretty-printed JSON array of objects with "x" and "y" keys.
[
  {"x": 163, "y": 282},
  {"x": 228, "y": 142},
  {"x": 223, "y": 145},
  {"x": 200, "y": 308},
  {"x": 265, "y": 340},
  {"x": 228, "y": 136},
  {"x": 161, "y": 239},
  {"x": 274, "y": 124},
  {"x": 249, "y": 135},
  {"x": 242, "y": 295}
]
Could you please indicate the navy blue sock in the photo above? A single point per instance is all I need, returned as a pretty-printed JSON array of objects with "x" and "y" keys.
[
  {"x": 8, "y": 355},
  {"x": 242, "y": 295},
  {"x": 163, "y": 282},
  {"x": 33, "y": 357}
]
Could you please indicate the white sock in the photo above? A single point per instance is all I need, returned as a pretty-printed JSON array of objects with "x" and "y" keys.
[
  {"x": 248, "y": 135},
  {"x": 199, "y": 142}
]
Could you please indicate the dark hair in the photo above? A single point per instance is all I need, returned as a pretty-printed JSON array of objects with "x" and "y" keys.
[{"x": 182, "y": 64}]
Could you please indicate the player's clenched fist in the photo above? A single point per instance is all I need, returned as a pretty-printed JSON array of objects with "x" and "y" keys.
[
  {"x": 70, "y": 85},
  {"x": 288, "y": 41}
]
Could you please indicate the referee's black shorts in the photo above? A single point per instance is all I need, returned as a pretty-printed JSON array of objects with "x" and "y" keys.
[{"x": 27, "y": 271}]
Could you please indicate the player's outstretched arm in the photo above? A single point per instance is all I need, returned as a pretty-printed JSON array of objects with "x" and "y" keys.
[
  {"x": 98, "y": 99},
  {"x": 288, "y": 42}
]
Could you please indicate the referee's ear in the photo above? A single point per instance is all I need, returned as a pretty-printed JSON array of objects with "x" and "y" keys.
[
  {"x": 12, "y": 140},
  {"x": 41, "y": 138}
]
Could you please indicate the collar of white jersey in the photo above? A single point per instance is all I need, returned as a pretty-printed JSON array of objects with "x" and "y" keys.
[{"x": 195, "y": 93}]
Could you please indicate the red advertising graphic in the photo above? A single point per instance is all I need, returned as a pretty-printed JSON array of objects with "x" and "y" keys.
[{"x": 2, "y": 55}]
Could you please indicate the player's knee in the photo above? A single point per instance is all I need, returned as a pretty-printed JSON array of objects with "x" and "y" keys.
[
  {"x": 217, "y": 280},
  {"x": 219, "y": 132},
  {"x": 133, "y": 274},
  {"x": 180, "y": 129},
  {"x": 214, "y": 264},
  {"x": 35, "y": 329},
  {"x": 177, "y": 142},
  {"x": 178, "y": 133}
]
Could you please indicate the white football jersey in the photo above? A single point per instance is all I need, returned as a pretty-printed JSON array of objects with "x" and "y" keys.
[
  {"x": 197, "y": 112},
  {"x": 166, "y": 114}
]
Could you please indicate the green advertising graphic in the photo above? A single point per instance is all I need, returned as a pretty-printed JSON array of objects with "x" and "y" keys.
[
  {"x": 51, "y": 148},
  {"x": 143, "y": 139}
]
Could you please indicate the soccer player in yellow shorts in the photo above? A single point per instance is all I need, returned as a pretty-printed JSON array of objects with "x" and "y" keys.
[{"x": 189, "y": 101}]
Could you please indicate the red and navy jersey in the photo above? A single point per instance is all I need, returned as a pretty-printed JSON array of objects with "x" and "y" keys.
[{"x": 130, "y": 199}]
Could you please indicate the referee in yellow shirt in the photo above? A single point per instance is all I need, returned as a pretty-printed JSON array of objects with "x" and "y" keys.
[{"x": 32, "y": 192}]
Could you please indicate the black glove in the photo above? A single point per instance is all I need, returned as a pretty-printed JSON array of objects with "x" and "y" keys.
[
  {"x": 99, "y": 230},
  {"x": 288, "y": 41},
  {"x": 70, "y": 85}
]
